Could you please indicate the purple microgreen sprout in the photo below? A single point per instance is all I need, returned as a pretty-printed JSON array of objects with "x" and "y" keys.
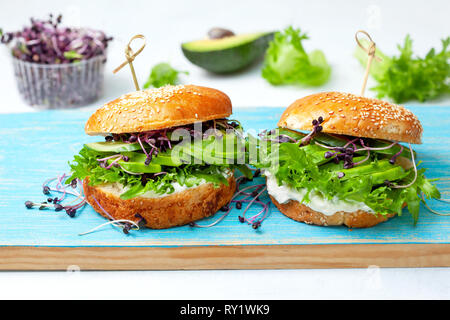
[
  {"x": 194, "y": 224},
  {"x": 316, "y": 129},
  {"x": 363, "y": 160},
  {"x": 52, "y": 203},
  {"x": 434, "y": 211},
  {"x": 47, "y": 42},
  {"x": 116, "y": 158},
  {"x": 395, "y": 156},
  {"x": 253, "y": 221},
  {"x": 46, "y": 190},
  {"x": 415, "y": 171},
  {"x": 141, "y": 221},
  {"x": 124, "y": 224},
  {"x": 29, "y": 204}
]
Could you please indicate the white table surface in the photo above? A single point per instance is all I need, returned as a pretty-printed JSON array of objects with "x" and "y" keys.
[{"x": 331, "y": 26}]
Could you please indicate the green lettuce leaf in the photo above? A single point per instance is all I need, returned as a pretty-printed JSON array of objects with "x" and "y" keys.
[
  {"x": 286, "y": 61},
  {"x": 406, "y": 77},
  {"x": 161, "y": 75}
]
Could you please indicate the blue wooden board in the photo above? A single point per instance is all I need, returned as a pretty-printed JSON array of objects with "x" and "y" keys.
[{"x": 36, "y": 146}]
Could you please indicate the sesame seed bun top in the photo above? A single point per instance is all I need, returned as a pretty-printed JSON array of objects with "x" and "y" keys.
[
  {"x": 161, "y": 108},
  {"x": 348, "y": 114}
]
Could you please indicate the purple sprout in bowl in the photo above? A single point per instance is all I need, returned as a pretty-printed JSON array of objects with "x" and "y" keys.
[{"x": 56, "y": 66}]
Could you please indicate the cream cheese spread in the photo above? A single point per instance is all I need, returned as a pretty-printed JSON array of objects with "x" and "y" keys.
[{"x": 318, "y": 202}]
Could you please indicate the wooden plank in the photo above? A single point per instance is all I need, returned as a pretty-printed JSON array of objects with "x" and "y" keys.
[
  {"x": 36, "y": 146},
  {"x": 230, "y": 257}
]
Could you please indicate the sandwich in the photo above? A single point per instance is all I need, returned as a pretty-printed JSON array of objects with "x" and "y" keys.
[
  {"x": 342, "y": 159},
  {"x": 167, "y": 157}
]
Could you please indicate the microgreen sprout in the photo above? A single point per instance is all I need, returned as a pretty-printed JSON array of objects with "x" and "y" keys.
[
  {"x": 249, "y": 195},
  {"x": 316, "y": 129},
  {"x": 282, "y": 138},
  {"x": 415, "y": 171},
  {"x": 61, "y": 188},
  {"x": 141, "y": 221},
  {"x": 47, "y": 42},
  {"x": 395, "y": 156},
  {"x": 434, "y": 211},
  {"x": 46, "y": 190},
  {"x": 124, "y": 224},
  {"x": 103, "y": 162}
]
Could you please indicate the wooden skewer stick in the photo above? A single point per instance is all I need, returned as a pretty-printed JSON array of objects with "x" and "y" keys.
[
  {"x": 371, "y": 52},
  {"x": 130, "y": 56}
]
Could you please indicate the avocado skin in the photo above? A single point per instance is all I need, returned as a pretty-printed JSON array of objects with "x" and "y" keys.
[{"x": 232, "y": 59}]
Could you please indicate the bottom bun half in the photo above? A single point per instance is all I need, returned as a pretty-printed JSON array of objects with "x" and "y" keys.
[
  {"x": 164, "y": 212},
  {"x": 356, "y": 219}
]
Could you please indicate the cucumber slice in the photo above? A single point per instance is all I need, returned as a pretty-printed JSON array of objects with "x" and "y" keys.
[{"x": 113, "y": 146}]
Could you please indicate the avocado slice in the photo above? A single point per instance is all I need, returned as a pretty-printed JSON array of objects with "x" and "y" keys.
[
  {"x": 137, "y": 166},
  {"x": 213, "y": 150},
  {"x": 113, "y": 146},
  {"x": 162, "y": 159},
  {"x": 371, "y": 168},
  {"x": 227, "y": 54}
]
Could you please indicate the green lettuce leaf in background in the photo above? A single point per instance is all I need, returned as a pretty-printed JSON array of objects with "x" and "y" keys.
[
  {"x": 163, "y": 74},
  {"x": 406, "y": 77},
  {"x": 287, "y": 62}
]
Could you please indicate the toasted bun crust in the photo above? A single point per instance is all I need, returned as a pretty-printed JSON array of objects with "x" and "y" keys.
[
  {"x": 357, "y": 219},
  {"x": 348, "y": 114},
  {"x": 160, "y": 108},
  {"x": 160, "y": 213}
]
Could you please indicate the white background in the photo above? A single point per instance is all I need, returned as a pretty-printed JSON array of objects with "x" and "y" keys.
[{"x": 331, "y": 26}]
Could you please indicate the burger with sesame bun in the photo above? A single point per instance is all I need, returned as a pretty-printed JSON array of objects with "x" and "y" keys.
[
  {"x": 167, "y": 158},
  {"x": 353, "y": 166}
]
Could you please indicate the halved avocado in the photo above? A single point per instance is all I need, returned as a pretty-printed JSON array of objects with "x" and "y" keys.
[{"x": 227, "y": 54}]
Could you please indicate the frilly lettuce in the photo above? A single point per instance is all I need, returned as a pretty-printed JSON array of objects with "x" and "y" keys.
[
  {"x": 286, "y": 61},
  {"x": 161, "y": 75},
  {"x": 405, "y": 77}
]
